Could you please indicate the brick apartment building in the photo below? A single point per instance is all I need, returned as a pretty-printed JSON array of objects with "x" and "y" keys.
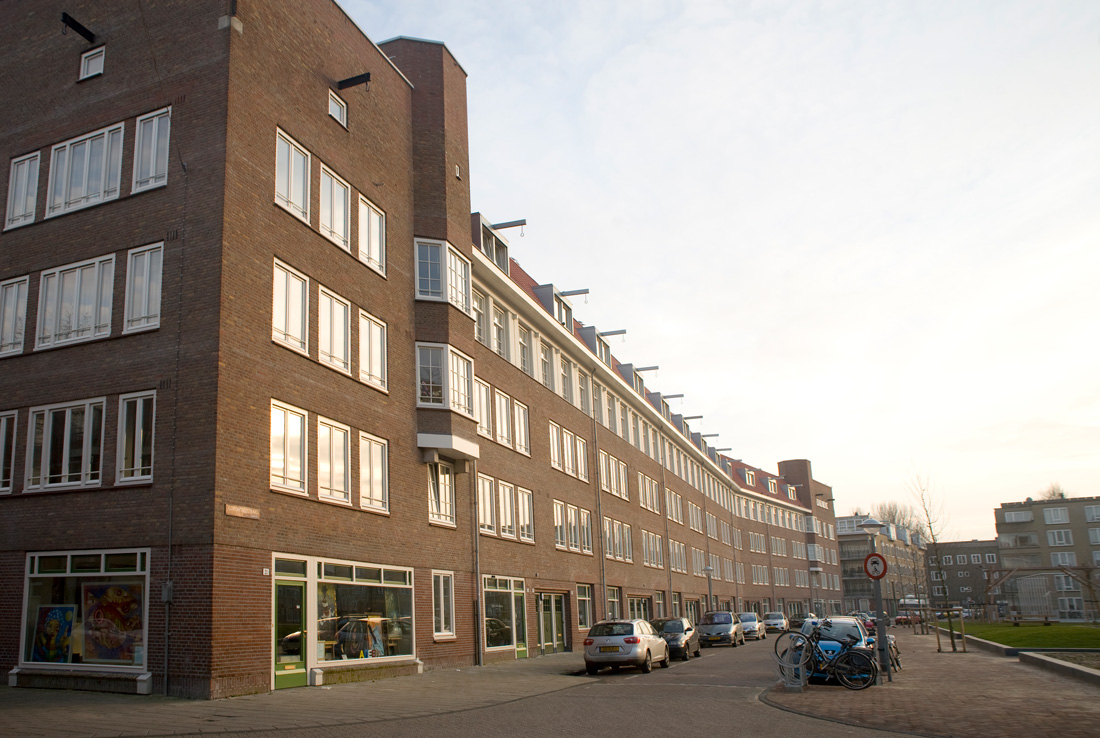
[
  {"x": 278, "y": 411},
  {"x": 903, "y": 586},
  {"x": 1049, "y": 558}
]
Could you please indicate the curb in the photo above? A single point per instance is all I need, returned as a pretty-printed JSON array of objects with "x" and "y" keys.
[{"x": 1065, "y": 668}]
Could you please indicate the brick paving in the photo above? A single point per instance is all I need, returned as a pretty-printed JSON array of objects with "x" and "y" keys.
[{"x": 957, "y": 695}]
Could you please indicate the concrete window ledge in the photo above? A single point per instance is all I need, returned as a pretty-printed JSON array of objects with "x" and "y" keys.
[
  {"x": 92, "y": 681},
  {"x": 365, "y": 672}
]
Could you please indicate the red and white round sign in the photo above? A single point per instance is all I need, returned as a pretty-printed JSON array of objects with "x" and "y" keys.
[{"x": 875, "y": 566}]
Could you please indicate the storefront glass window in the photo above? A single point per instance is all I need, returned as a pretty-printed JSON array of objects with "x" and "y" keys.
[{"x": 363, "y": 612}]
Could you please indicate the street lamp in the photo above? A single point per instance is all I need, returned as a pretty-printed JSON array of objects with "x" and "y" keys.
[
  {"x": 710, "y": 587},
  {"x": 873, "y": 527}
]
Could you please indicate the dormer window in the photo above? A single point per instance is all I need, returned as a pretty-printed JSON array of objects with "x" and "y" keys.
[
  {"x": 495, "y": 248},
  {"x": 91, "y": 62},
  {"x": 750, "y": 478},
  {"x": 563, "y": 313},
  {"x": 639, "y": 385},
  {"x": 791, "y": 493},
  {"x": 773, "y": 486}
]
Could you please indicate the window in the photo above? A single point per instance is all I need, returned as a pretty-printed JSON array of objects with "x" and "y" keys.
[
  {"x": 333, "y": 457},
  {"x": 525, "y": 363},
  {"x": 525, "y": 514},
  {"x": 674, "y": 506},
  {"x": 500, "y": 331},
  {"x": 584, "y": 393},
  {"x": 1060, "y": 537},
  {"x": 374, "y": 473},
  {"x": 430, "y": 276},
  {"x": 584, "y": 606},
  {"x": 372, "y": 350},
  {"x": 85, "y": 171},
  {"x": 567, "y": 379},
  {"x": 7, "y": 450},
  {"x": 568, "y": 453},
  {"x": 546, "y": 365},
  {"x": 1063, "y": 558},
  {"x": 143, "y": 276},
  {"x": 151, "y": 150},
  {"x": 441, "y": 500},
  {"x": 291, "y": 176},
  {"x": 975, "y": 558},
  {"x": 506, "y": 509},
  {"x": 1055, "y": 515},
  {"x": 948, "y": 560},
  {"x": 1018, "y": 516},
  {"x": 335, "y": 196},
  {"x": 486, "y": 519},
  {"x": 559, "y": 525},
  {"x": 750, "y": 478},
  {"x": 74, "y": 302},
  {"x": 65, "y": 445},
  {"x": 357, "y": 606},
  {"x": 114, "y": 582},
  {"x": 991, "y": 558},
  {"x": 22, "y": 191},
  {"x": 504, "y": 612},
  {"x": 335, "y": 332},
  {"x": 481, "y": 327},
  {"x": 372, "y": 236},
  {"x": 1092, "y": 513},
  {"x": 555, "y": 446},
  {"x": 458, "y": 280},
  {"x": 483, "y": 408},
  {"x": 457, "y": 392},
  {"x": 614, "y": 603},
  {"x": 522, "y": 429},
  {"x": 573, "y": 527},
  {"x": 13, "y": 315},
  {"x": 136, "y": 413},
  {"x": 91, "y": 62},
  {"x": 288, "y": 447},
  {"x": 586, "y": 531},
  {"x": 582, "y": 459},
  {"x": 290, "y": 310},
  {"x": 504, "y": 418},
  {"x": 337, "y": 108},
  {"x": 443, "y": 603},
  {"x": 1094, "y": 536}
]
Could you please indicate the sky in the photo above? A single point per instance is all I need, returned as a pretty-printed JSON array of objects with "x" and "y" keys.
[{"x": 861, "y": 233}]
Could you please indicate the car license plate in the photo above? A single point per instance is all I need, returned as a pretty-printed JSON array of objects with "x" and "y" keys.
[
  {"x": 714, "y": 638},
  {"x": 609, "y": 649}
]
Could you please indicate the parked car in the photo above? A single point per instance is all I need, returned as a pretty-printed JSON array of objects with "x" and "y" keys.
[
  {"x": 775, "y": 621},
  {"x": 720, "y": 627},
  {"x": 838, "y": 629},
  {"x": 907, "y": 618},
  {"x": 752, "y": 626},
  {"x": 618, "y": 643},
  {"x": 681, "y": 636},
  {"x": 796, "y": 621}
]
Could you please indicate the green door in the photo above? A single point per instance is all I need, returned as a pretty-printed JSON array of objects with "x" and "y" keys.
[
  {"x": 520, "y": 615},
  {"x": 290, "y": 634}
]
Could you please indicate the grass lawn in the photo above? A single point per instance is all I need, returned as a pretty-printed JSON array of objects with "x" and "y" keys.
[{"x": 1034, "y": 635}]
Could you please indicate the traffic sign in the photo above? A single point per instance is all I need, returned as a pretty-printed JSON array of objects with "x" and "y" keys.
[{"x": 875, "y": 566}]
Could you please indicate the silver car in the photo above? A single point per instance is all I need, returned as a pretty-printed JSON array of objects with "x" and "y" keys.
[
  {"x": 618, "y": 643},
  {"x": 752, "y": 625},
  {"x": 719, "y": 627},
  {"x": 775, "y": 621}
]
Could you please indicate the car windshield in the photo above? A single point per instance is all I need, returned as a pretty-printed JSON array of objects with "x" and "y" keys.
[
  {"x": 669, "y": 626},
  {"x": 837, "y": 630},
  {"x": 716, "y": 618},
  {"x": 749, "y": 617},
  {"x": 773, "y": 616},
  {"x": 612, "y": 629}
]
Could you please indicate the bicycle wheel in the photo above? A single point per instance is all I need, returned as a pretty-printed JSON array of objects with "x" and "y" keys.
[
  {"x": 895, "y": 657},
  {"x": 792, "y": 648},
  {"x": 854, "y": 670}
]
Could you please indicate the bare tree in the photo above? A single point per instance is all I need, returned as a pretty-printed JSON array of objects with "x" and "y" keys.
[
  {"x": 1054, "y": 492},
  {"x": 932, "y": 527},
  {"x": 896, "y": 513}
]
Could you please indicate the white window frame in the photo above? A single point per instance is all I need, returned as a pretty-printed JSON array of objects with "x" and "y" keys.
[
  {"x": 374, "y": 479},
  {"x": 288, "y": 199},
  {"x": 506, "y": 509},
  {"x": 144, "y": 272},
  {"x": 555, "y": 445},
  {"x": 458, "y": 400},
  {"x": 373, "y": 351},
  {"x": 22, "y": 191},
  {"x": 340, "y": 115},
  {"x": 483, "y": 407},
  {"x": 441, "y": 494},
  {"x": 582, "y": 459},
  {"x": 526, "y": 358},
  {"x": 586, "y": 531},
  {"x": 569, "y": 452},
  {"x": 498, "y": 330},
  {"x": 486, "y": 505},
  {"x": 335, "y": 486},
  {"x": 13, "y": 315},
  {"x": 334, "y": 222},
  {"x": 49, "y": 330},
  {"x": 458, "y": 280},
  {"x": 280, "y": 325},
  {"x": 560, "y": 541},
  {"x": 61, "y": 171},
  {"x": 372, "y": 235},
  {"x": 443, "y": 605},
  {"x": 333, "y": 345},
  {"x": 521, "y": 429},
  {"x": 480, "y": 306},
  {"x": 142, "y": 439},
  {"x": 92, "y": 63},
  {"x": 525, "y": 514},
  {"x": 1060, "y": 537},
  {"x": 1056, "y": 515},
  {"x": 299, "y": 485},
  {"x": 156, "y": 125},
  {"x": 88, "y": 476},
  {"x": 8, "y": 425},
  {"x": 502, "y": 404}
]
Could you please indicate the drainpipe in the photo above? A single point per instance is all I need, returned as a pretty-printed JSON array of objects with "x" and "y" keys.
[
  {"x": 599, "y": 506},
  {"x": 477, "y": 563}
]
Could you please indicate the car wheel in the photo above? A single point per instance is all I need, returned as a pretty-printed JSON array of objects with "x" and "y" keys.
[
  {"x": 697, "y": 654},
  {"x": 647, "y": 665},
  {"x": 592, "y": 669},
  {"x": 686, "y": 655},
  {"x": 667, "y": 661},
  {"x": 742, "y": 640}
]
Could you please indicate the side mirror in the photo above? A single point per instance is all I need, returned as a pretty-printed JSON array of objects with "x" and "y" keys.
[
  {"x": 870, "y": 640},
  {"x": 689, "y": 629}
]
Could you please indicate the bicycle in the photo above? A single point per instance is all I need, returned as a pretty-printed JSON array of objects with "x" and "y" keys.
[
  {"x": 895, "y": 654},
  {"x": 852, "y": 667}
]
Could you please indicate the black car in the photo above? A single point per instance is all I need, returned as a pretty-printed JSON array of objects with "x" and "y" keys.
[
  {"x": 796, "y": 621},
  {"x": 682, "y": 637}
]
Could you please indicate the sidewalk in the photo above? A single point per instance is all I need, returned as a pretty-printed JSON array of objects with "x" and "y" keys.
[{"x": 956, "y": 694}]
